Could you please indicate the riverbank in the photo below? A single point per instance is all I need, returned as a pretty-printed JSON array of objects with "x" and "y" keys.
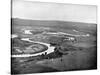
[{"x": 49, "y": 50}]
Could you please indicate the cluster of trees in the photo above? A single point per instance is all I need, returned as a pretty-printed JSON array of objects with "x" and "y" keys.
[{"x": 54, "y": 54}]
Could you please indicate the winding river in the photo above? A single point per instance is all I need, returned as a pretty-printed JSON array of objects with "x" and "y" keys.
[{"x": 49, "y": 50}]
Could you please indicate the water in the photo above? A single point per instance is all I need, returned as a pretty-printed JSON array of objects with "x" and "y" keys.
[{"x": 49, "y": 50}]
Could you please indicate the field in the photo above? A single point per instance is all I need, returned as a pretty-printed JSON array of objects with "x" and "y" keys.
[{"x": 78, "y": 53}]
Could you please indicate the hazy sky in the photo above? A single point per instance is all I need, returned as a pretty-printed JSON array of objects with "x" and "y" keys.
[{"x": 52, "y": 11}]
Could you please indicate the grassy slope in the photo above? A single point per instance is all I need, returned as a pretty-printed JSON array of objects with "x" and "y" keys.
[
  {"x": 86, "y": 27},
  {"x": 82, "y": 59}
]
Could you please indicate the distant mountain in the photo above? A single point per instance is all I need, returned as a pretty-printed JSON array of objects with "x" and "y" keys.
[
  {"x": 55, "y": 24},
  {"x": 46, "y": 22}
]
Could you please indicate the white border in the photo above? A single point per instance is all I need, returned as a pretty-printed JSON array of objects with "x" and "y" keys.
[{"x": 5, "y": 36}]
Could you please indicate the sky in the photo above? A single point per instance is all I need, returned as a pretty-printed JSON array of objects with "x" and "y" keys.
[{"x": 53, "y": 11}]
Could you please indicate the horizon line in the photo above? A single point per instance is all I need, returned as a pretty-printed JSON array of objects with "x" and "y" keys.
[{"x": 51, "y": 20}]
